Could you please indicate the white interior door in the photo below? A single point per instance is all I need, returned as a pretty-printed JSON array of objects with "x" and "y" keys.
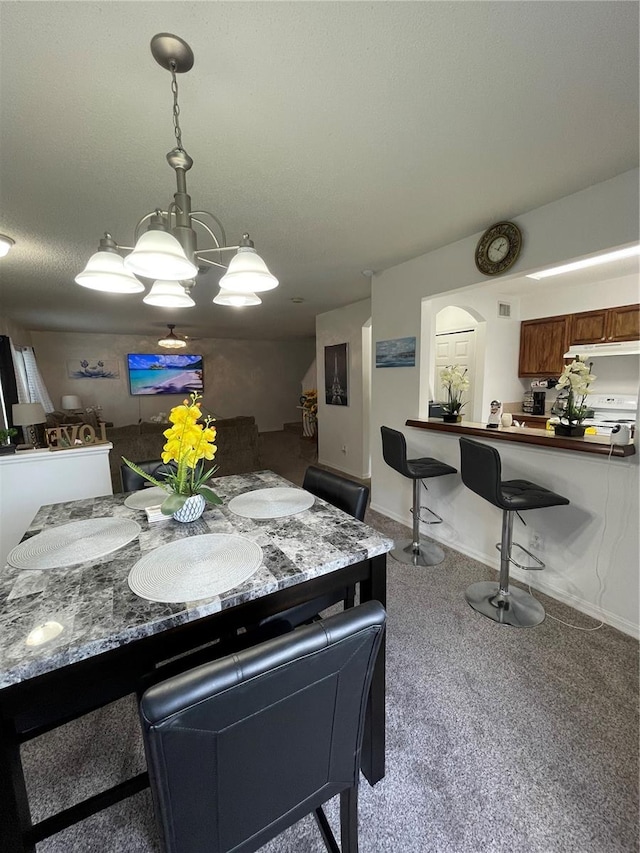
[{"x": 456, "y": 348}]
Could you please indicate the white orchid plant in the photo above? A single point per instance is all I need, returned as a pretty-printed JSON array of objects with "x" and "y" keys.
[
  {"x": 455, "y": 381},
  {"x": 577, "y": 378}
]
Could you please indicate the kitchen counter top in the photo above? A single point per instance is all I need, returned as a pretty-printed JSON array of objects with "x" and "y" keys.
[{"x": 588, "y": 444}]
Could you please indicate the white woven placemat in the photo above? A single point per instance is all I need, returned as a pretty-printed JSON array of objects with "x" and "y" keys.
[
  {"x": 146, "y": 497},
  {"x": 73, "y": 543},
  {"x": 195, "y": 567},
  {"x": 271, "y": 503}
]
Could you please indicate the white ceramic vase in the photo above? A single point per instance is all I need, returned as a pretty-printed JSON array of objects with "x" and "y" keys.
[{"x": 191, "y": 509}]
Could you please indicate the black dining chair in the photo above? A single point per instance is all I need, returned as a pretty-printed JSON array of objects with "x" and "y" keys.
[
  {"x": 133, "y": 482},
  {"x": 350, "y": 497},
  {"x": 242, "y": 748}
]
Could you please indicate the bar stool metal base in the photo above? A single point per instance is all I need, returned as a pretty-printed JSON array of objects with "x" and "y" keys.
[
  {"x": 516, "y": 607},
  {"x": 427, "y": 553}
]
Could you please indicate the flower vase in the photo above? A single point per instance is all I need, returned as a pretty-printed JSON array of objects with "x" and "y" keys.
[
  {"x": 452, "y": 419},
  {"x": 191, "y": 509},
  {"x": 308, "y": 425},
  {"x": 569, "y": 430}
]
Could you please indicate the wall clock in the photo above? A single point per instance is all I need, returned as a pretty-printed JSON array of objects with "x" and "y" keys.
[{"x": 498, "y": 248}]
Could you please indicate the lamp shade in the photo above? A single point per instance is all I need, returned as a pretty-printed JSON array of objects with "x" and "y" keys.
[
  {"x": 248, "y": 273},
  {"x": 172, "y": 341},
  {"x": 26, "y": 414},
  {"x": 168, "y": 294},
  {"x": 236, "y": 299},
  {"x": 158, "y": 254},
  {"x": 105, "y": 271},
  {"x": 70, "y": 401}
]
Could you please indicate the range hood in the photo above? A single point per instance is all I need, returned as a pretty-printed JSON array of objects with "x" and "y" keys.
[{"x": 596, "y": 350}]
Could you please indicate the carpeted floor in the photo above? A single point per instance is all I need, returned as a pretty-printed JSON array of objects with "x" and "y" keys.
[{"x": 498, "y": 739}]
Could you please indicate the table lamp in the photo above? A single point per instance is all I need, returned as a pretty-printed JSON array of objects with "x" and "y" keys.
[
  {"x": 71, "y": 403},
  {"x": 27, "y": 415}
]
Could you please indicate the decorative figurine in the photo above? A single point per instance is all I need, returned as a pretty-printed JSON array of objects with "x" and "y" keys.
[{"x": 494, "y": 418}]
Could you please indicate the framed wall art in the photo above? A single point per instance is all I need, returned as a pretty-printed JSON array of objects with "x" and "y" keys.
[
  {"x": 93, "y": 368},
  {"x": 335, "y": 375},
  {"x": 398, "y": 352}
]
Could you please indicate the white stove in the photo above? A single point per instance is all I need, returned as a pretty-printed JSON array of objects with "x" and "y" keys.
[{"x": 610, "y": 410}]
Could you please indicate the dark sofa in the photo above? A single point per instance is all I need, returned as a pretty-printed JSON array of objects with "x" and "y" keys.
[{"x": 236, "y": 439}]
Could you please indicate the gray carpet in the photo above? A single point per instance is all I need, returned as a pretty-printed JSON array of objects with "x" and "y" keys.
[{"x": 498, "y": 739}]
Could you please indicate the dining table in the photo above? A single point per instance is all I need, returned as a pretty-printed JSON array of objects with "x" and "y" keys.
[{"x": 76, "y": 637}]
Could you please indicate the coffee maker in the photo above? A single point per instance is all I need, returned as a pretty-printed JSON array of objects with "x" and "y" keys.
[
  {"x": 539, "y": 398},
  {"x": 538, "y": 395}
]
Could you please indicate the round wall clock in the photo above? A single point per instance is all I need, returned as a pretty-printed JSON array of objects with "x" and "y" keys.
[{"x": 498, "y": 248}]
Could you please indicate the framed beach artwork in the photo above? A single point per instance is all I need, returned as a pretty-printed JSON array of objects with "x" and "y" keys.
[
  {"x": 335, "y": 375},
  {"x": 93, "y": 368},
  {"x": 398, "y": 352},
  {"x": 165, "y": 374}
]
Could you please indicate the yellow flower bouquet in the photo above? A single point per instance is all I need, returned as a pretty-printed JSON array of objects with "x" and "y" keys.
[{"x": 189, "y": 443}]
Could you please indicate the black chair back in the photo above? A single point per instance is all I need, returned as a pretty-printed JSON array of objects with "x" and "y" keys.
[
  {"x": 243, "y": 747},
  {"x": 344, "y": 494},
  {"x": 481, "y": 471},
  {"x": 394, "y": 450},
  {"x": 133, "y": 482}
]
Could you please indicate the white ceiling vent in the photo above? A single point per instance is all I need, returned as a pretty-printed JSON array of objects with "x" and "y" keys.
[{"x": 504, "y": 309}]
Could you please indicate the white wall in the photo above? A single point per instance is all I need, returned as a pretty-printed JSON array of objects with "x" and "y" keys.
[
  {"x": 259, "y": 378},
  {"x": 595, "y": 219},
  {"x": 19, "y": 335},
  {"x": 343, "y": 426}
]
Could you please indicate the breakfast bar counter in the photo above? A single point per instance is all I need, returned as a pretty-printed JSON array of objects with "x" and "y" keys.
[{"x": 599, "y": 444}]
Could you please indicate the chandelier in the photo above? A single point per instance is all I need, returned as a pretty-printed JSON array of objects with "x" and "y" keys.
[{"x": 167, "y": 250}]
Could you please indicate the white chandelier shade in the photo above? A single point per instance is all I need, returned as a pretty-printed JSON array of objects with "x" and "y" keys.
[
  {"x": 168, "y": 294},
  {"x": 236, "y": 299},
  {"x": 5, "y": 245},
  {"x": 248, "y": 273},
  {"x": 158, "y": 254},
  {"x": 106, "y": 271}
]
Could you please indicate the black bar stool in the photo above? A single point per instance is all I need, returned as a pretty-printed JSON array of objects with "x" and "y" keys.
[
  {"x": 481, "y": 471},
  {"x": 417, "y": 551}
]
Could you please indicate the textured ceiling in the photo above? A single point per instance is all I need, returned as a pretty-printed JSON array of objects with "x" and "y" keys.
[{"x": 343, "y": 136}]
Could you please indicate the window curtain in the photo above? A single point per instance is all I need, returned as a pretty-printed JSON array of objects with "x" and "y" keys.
[
  {"x": 8, "y": 387},
  {"x": 29, "y": 379}
]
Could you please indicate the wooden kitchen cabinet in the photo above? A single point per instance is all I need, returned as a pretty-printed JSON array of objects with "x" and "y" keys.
[
  {"x": 589, "y": 327},
  {"x": 543, "y": 343},
  {"x": 607, "y": 324},
  {"x": 623, "y": 323}
]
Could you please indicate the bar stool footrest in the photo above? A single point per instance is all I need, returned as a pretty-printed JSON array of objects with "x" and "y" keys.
[
  {"x": 438, "y": 518},
  {"x": 539, "y": 564}
]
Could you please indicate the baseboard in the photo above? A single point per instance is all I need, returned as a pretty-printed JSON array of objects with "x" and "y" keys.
[
  {"x": 356, "y": 474},
  {"x": 532, "y": 578}
]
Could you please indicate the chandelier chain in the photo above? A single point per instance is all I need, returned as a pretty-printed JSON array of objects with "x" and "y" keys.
[{"x": 176, "y": 105}]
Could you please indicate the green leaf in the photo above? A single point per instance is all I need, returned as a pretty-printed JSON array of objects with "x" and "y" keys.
[
  {"x": 173, "y": 503},
  {"x": 209, "y": 495}
]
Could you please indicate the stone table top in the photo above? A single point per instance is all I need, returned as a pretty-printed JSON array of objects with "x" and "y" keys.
[{"x": 97, "y": 610}]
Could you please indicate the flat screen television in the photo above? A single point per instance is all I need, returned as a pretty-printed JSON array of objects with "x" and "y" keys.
[{"x": 165, "y": 374}]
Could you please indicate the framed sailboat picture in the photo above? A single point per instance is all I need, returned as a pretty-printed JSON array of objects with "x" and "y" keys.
[{"x": 335, "y": 375}]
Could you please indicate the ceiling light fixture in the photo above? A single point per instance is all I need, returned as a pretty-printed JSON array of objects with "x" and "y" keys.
[
  {"x": 618, "y": 255},
  {"x": 167, "y": 250},
  {"x": 5, "y": 245},
  {"x": 236, "y": 298},
  {"x": 171, "y": 341}
]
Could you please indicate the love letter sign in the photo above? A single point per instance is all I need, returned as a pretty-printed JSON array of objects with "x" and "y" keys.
[{"x": 74, "y": 435}]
